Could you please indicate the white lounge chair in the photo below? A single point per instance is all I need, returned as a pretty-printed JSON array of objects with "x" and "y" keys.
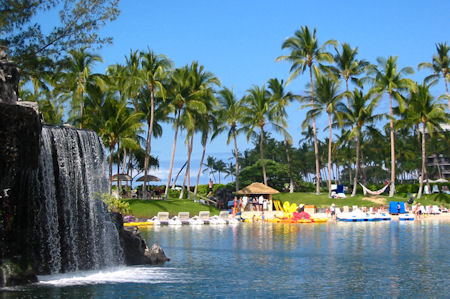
[
  {"x": 204, "y": 215},
  {"x": 163, "y": 217},
  {"x": 184, "y": 217}
]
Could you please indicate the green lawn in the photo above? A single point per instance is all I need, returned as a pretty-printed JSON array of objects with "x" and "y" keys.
[{"x": 149, "y": 208}]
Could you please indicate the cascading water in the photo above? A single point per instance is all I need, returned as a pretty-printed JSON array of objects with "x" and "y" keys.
[{"x": 74, "y": 228}]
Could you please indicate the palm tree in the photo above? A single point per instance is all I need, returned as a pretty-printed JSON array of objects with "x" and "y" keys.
[
  {"x": 356, "y": 116},
  {"x": 205, "y": 125},
  {"x": 389, "y": 79},
  {"x": 347, "y": 66},
  {"x": 77, "y": 77},
  {"x": 424, "y": 109},
  {"x": 220, "y": 167},
  {"x": 282, "y": 99},
  {"x": 133, "y": 77},
  {"x": 187, "y": 87},
  {"x": 154, "y": 71},
  {"x": 440, "y": 65},
  {"x": 230, "y": 114},
  {"x": 119, "y": 125},
  {"x": 328, "y": 98},
  {"x": 305, "y": 53},
  {"x": 257, "y": 112},
  {"x": 210, "y": 166}
]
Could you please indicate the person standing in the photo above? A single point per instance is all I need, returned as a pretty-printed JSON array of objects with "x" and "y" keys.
[
  {"x": 333, "y": 211},
  {"x": 260, "y": 202},
  {"x": 244, "y": 202},
  {"x": 210, "y": 186}
]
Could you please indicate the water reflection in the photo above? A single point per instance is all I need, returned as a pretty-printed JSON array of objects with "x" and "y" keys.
[{"x": 337, "y": 260}]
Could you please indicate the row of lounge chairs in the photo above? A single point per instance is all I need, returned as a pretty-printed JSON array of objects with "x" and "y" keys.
[{"x": 184, "y": 218}]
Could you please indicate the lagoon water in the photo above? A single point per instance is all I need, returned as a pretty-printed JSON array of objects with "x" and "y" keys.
[{"x": 332, "y": 260}]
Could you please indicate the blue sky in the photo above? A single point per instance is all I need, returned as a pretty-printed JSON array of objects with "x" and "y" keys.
[{"x": 239, "y": 40}]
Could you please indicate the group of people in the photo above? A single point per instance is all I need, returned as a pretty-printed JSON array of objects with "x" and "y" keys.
[{"x": 252, "y": 203}]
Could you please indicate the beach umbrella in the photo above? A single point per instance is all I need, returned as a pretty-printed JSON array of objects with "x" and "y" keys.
[
  {"x": 148, "y": 178},
  {"x": 122, "y": 177}
]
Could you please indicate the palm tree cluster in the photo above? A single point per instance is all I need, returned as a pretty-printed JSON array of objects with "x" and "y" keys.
[{"x": 127, "y": 105}]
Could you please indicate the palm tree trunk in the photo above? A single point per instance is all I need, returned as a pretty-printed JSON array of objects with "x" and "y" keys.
[
  {"x": 391, "y": 125},
  {"x": 200, "y": 168},
  {"x": 419, "y": 194},
  {"x": 166, "y": 192},
  {"x": 236, "y": 154},
  {"x": 355, "y": 179},
  {"x": 149, "y": 137},
  {"x": 261, "y": 140},
  {"x": 316, "y": 146},
  {"x": 188, "y": 171},
  {"x": 186, "y": 181},
  {"x": 330, "y": 142},
  {"x": 446, "y": 89},
  {"x": 346, "y": 89},
  {"x": 178, "y": 174},
  {"x": 288, "y": 158}
]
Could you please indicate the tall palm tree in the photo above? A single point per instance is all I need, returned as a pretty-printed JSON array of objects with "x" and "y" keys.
[
  {"x": 134, "y": 77},
  {"x": 154, "y": 71},
  {"x": 76, "y": 78},
  {"x": 348, "y": 67},
  {"x": 186, "y": 89},
  {"x": 423, "y": 108},
  {"x": 326, "y": 92},
  {"x": 230, "y": 114},
  {"x": 440, "y": 65},
  {"x": 206, "y": 125},
  {"x": 258, "y": 111},
  {"x": 357, "y": 115},
  {"x": 391, "y": 80},
  {"x": 305, "y": 53},
  {"x": 282, "y": 99}
]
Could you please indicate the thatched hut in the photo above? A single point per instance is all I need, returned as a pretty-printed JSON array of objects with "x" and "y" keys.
[{"x": 257, "y": 189}]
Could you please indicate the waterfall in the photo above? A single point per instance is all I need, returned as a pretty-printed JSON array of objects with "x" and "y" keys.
[{"x": 73, "y": 226}]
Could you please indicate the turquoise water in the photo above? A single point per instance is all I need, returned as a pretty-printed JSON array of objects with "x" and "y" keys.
[{"x": 333, "y": 260}]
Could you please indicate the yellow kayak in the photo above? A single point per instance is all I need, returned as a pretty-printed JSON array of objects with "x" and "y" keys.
[
  {"x": 138, "y": 224},
  {"x": 319, "y": 220}
]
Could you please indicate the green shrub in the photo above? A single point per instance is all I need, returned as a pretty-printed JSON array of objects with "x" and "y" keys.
[
  {"x": 174, "y": 193},
  {"x": 116, "y": 204}
]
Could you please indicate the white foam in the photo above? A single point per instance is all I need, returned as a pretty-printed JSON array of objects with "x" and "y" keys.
[{"x": 150, "y": 274}]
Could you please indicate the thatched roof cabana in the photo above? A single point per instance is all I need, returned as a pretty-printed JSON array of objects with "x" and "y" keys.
[{"x": 257, "y": 188}]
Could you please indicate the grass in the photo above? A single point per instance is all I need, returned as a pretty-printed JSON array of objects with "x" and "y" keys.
[{"x": 149, "y": 208}]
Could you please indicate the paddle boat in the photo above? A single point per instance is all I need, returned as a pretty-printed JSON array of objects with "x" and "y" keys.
[
  {"x": 358, "y": 215},
  {"x": 406, "y": 217},
  {"x": 196, "y": 220},
  {"x": 175, "y": 220},
  {"x": 216, "y": 220}
]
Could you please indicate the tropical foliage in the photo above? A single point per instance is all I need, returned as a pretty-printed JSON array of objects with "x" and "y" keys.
[{"x": 129, "y": 104}]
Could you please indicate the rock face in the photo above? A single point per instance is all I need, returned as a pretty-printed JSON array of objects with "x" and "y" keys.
[
  {"x": 134, "y": 247},
  {"x": 9, "y": 82},
  {"x": 19, "y": 165}
]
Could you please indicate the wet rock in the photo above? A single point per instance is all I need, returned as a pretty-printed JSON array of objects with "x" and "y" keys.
[
  {"x": 12, "y": 273},
  {"x": 134, "y": 247},
  {"x": 9, "y": 82}
]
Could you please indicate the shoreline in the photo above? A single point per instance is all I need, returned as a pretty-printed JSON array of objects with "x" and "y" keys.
[{"x": 279, "y": 214}]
